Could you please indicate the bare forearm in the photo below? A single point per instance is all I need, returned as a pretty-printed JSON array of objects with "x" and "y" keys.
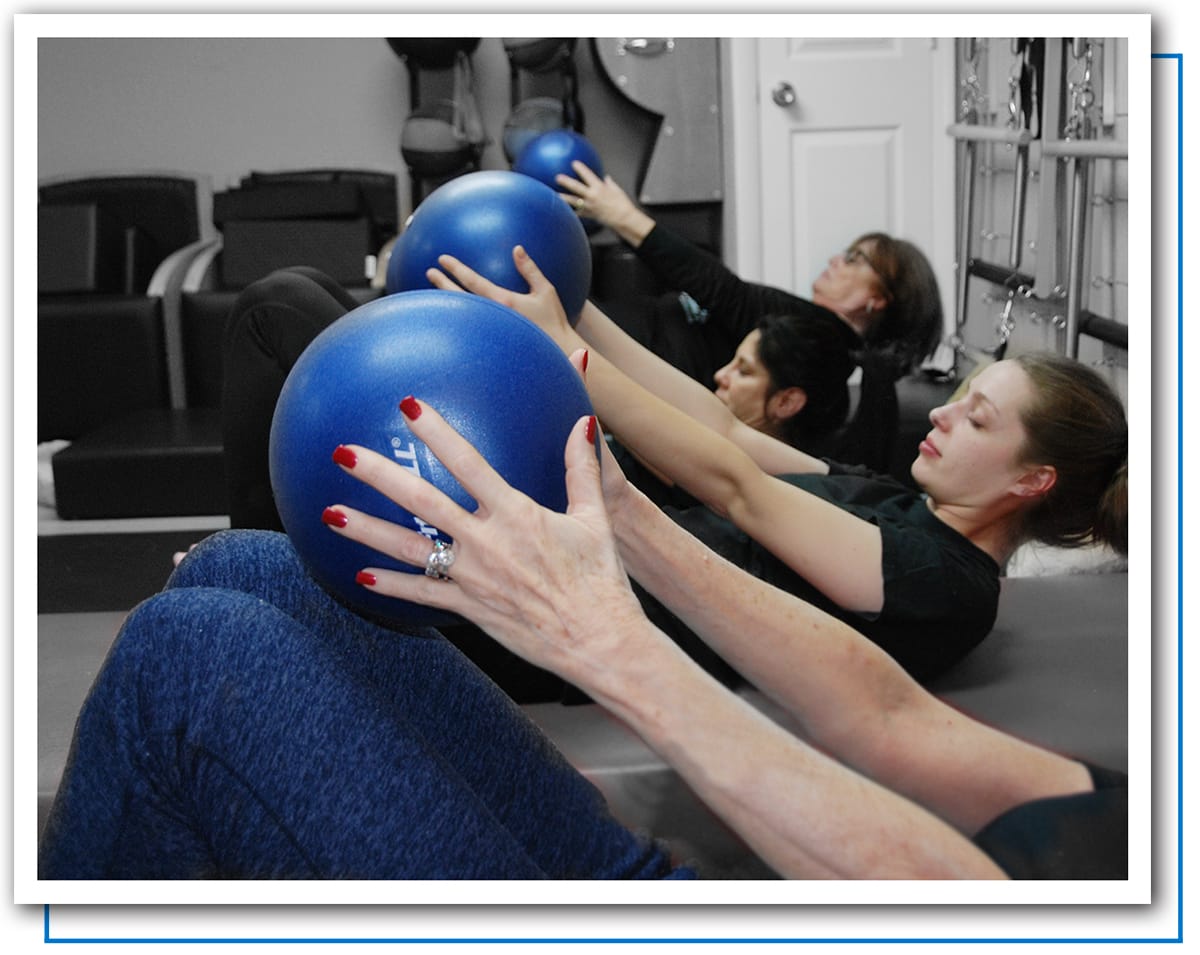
[
  {"x": 672, "y": 442},
  {"x": 803, "y": 813},
  {"x": 651, "y": 372},
  {"x": 850, "y": 697},
  {"x": 786, "y": 647}
]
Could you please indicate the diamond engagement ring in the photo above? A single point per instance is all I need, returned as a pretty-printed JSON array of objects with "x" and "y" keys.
[{"x": 440, "y": 560}]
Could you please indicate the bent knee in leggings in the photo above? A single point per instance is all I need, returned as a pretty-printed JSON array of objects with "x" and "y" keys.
[
  {"x": 167, "y": 632},
  {"x": 231, "y": 559},
  {"x": 265, "y": 565}
]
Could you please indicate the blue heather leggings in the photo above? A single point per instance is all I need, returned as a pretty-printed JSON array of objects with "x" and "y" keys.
[{"x": 245, "y": 725}]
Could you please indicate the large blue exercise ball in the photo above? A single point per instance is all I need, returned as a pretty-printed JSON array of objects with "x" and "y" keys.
[
  {"x": 478, "y": 218},
  {"x": 546, "y": 155},
  {"x": 499, "y": 380}
]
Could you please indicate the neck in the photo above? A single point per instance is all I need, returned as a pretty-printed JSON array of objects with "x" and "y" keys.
[
  {"x": 857, "y": 319},
  {"x": 992, "y": 532}
]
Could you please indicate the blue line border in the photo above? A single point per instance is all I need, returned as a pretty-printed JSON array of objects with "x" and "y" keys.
[
  {"x": 1178, "y": 57},
  {"x": 1179, "y": 691}
]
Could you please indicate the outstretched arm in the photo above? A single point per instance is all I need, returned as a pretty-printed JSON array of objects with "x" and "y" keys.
[
  {"x": 852, "y": 699},
  {"x": 835, "y": 551},
  {"x": 551, "y": 588}
]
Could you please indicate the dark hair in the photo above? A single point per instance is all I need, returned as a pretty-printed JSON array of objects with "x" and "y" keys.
[
  {"x": 1076, "y": 423},
  {"x": 813, "y": 353},
  {"x": 911, "y": 327}
]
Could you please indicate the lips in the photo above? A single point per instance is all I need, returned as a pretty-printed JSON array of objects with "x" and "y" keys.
[{"x": 926, "y": 447}]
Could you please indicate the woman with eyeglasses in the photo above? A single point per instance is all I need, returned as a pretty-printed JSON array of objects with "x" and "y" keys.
[
  {"x": 881, "y": 292},
  {"x": 1035, "y": 450}
]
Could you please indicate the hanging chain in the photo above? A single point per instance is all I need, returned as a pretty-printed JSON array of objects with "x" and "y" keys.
[
  {"x": 1015, "y": 119},
  {"x": 1080, "y": 123},
  {"x": 972, "y": 96}
]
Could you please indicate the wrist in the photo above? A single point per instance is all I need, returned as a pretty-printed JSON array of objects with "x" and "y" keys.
[
  {"x": 633, "y": 682},
  {"x": 634, "y": 226},
  {"x": 630, "y": 512}
]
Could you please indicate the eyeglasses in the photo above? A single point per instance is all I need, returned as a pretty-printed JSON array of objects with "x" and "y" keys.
[{"x": 855, "y": 255}]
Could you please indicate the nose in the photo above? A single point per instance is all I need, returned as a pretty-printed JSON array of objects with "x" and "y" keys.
[
  {"x": 721, "y": 375},
  {"x": 939, "y": 417}
]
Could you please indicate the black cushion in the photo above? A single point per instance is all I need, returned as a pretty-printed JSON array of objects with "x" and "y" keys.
[
  {"x": 255, "y": 247},
  {"x": 158, "y": 462},
  {"x": 202, "y": 321},
  {"x": 79, "y": 249},
  {"x": 155, "y": 215},
  {"x": 99, "y": 357}
]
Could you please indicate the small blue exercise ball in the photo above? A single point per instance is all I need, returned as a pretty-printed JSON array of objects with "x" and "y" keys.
[
  {"x": 546, "y": 155},
  {"x": 478, "y": 218},
  {"x": 499, "y": 380},
  {"x": 552, "y": 152}
]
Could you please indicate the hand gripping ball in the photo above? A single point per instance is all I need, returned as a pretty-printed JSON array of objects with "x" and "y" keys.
[
  {"x": 497, "y": 379},
  {"x": 478, "y": 218}
]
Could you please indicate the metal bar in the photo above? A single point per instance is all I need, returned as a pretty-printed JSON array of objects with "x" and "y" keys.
[
  {"x": 999, "y": 274},
  {"x": 1085, "y": 149},
  {"x": 1020, "y": 178},
  {"x": 1078, "y": 250},
  {"x": 964, "y": 234},
  {"x": 1104, "y": 329},
  {"x": 1051, "y": 183}
]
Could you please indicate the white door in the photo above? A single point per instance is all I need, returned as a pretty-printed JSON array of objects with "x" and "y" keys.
[{"x": 851, "y": 139}]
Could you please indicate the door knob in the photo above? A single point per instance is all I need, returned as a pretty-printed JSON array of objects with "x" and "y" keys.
[{"x": 783, "y": 94}]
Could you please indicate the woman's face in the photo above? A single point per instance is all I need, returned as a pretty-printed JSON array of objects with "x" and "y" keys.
[
  {"x": 743, "y": 384},
  {"x": 850, "y": 281},
  {"x": 970, "y": 457}
]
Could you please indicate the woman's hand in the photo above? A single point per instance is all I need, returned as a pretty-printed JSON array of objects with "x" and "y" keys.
[
  {"x": 606, "y": 202},
  {"x": 541, "y": 304},
  {"x": 549, "y": 586}
]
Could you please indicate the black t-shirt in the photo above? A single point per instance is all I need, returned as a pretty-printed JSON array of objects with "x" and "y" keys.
[
  {"x": 1081, "y": 836},
  {"x": 941, "y": 592}
]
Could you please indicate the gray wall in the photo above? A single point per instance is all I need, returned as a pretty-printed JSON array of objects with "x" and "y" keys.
[
  {"x": 217, "y": 106},
  {"x": 223, "y": 107}
]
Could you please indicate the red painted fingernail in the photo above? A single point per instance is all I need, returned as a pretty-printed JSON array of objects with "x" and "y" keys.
[
  {"x": 584, "y": 362},
  {"x": 591, "y": 429},
  {"x": 365, "y": 578},
  {"x": 411, "y": 408},
  {"x": 344, "y": 456},
  {"x": 334, "y": 518}
]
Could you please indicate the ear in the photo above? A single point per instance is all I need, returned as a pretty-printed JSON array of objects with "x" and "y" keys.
[
  {"x": 786, "y": 403},
  {"x": 1036, "y": 482}
]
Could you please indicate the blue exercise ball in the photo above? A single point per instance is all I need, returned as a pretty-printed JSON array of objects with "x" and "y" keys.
[
  {"x": 478, "y": 218},
  {"x": 499, "y": 380},
  {"x": 547, "y": 154}
]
